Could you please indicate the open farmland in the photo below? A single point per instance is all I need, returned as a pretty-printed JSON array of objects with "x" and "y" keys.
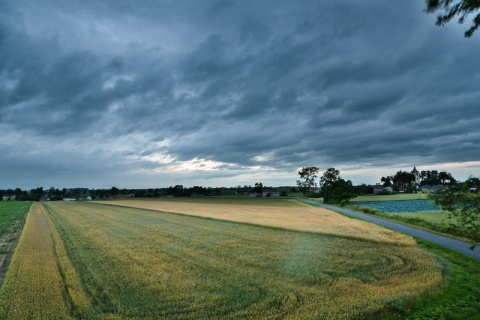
[
  {"x": 400, "y": 205},
  {"x": 112, "y": 262},
  {"x": 390, "y": 197},
  {"x": 280, "y": 213},
  {"x": 12, "y": 219}
]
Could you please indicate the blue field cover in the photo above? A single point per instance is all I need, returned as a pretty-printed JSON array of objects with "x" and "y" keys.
[{"x": 400, "y": 205}]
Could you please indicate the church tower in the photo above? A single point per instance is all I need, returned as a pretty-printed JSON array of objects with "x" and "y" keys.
[{"x": 416, "y": 174}]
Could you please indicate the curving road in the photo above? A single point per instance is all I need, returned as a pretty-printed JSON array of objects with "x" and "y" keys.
[{"x": 457, "y": 245}]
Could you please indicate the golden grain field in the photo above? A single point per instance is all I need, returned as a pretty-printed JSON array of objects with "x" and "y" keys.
[
  {"x": 98, "y": 261},
  {"x": 289, "y": 214}
]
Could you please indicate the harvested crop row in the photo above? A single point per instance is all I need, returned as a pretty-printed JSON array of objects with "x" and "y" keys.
[{"x": 41, "y": 283}]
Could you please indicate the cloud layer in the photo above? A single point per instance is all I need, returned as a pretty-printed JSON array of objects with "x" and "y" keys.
[{"x": 230, "y": 92}]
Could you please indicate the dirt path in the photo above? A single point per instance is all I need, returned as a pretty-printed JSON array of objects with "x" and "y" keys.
[{"x": 457, "y": 245}]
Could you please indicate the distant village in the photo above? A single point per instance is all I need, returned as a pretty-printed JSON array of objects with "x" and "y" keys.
[{"x": 414, "y": 181}]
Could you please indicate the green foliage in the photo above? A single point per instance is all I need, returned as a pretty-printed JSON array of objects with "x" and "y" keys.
[
  {"x": 340, "y": 192},
  {"x": 465, "y": 207},
  {"x": 12, "y": 219},
  {"x": 334, "y": 189},
  {"x": 308, "y": 174},
  {"x": 459, "y": 298},
  {"x": 328, "y": 178},
  {"x": 454, "y": 8},
  {"x": 364, "y": 209},
  {"x": 313, "y": 194},
  {"x": 12, "y": 216},
  {"x": 403, "y": 179}
]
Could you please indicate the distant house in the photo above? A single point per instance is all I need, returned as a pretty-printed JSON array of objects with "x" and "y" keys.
[
  {"x": 45, "y": 198},
  {"x": 379, "y": 188},
  {"x": 388, "y": 189},
  {"x": 69, "y": 199},
  {"x": 197, "y": 195},
  {"x": 270, "y": 192}
]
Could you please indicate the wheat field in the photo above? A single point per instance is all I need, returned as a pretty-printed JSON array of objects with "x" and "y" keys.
[{"x": 97, "y": 261}]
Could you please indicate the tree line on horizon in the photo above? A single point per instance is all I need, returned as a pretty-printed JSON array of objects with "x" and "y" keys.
[
  {"x": 178, "y": 190},
  {"x": 427, "y": 178}
]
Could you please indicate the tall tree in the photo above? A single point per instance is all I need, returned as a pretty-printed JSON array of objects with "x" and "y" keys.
[
  {"x": 114, "y": 191},
  {"x": 308, "y": 174},
  {"x": 258, "y": 187},
  {"x": 464, "y": 206},
  {"x": 403, "y": 179},
  {"x": 328, "y": 178},
  {"x": 387, "y": 181},
  {"x": 455, "y": 8},
  {"x": 473, "y": 182},
  {"x": 339, "y": 192},
  {"x": 334, "y": 189}
]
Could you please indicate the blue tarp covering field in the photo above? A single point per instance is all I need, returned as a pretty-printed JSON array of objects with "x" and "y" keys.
[{"x": 400, "y": 205}]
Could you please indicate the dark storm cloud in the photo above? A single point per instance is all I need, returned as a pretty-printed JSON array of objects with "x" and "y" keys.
[{"x": 241, "y": 83}]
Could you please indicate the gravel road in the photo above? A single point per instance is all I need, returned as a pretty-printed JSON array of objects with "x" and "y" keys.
[{"x": 457, "y": 245}]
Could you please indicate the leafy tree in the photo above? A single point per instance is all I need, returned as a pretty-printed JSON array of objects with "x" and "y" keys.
[
  {"x": 364, "y": 189},
  {"x": 114, "y": 191},
  {"x": 403, "y": 179},
  {"x": 334, "y": 189},
  {"x": 387, "y": 181},
  {"x": 176, "y": 191},
  {"x": 473, "y": 182},
  {"x": 340, "y": 191},
  {"x": 454, "y": 8},
  {"x": 18, "y": 192},
  {"x": 464, "y": 206},
  {"x": 308, "y": 174},
  {"x": 258, "y": 187},
  {"x": 434, "y": 177},
  {"x": 328, "y": 178}
]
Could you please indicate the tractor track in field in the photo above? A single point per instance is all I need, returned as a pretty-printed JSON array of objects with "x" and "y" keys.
[{"x": 449, "y": 243}]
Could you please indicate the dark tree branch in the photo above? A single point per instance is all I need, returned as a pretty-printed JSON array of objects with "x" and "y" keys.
[{"x": 453, "y": 8}]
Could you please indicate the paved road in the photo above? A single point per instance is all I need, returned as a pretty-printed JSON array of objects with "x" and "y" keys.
[{"x": 457, "y": 245}]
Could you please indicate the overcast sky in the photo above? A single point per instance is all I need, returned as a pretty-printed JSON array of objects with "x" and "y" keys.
[{"x": 140, "y": 94}]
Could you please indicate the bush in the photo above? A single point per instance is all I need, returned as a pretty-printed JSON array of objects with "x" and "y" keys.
[{"x": 312, "y": 194}]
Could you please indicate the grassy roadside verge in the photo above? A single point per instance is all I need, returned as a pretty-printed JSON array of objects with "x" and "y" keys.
[
  {"x": 435, "y": 222},
  {"x": 459, "y": 298}
]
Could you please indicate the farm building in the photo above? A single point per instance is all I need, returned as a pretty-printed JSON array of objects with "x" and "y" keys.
[
  {"x": 45, "y": 198},
  {"x": 270, "y": 192},
  {"x": 379, "y": 188}
]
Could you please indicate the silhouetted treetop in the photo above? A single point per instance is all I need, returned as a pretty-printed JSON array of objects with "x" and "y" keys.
[{"x": 453, "y": 8}]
